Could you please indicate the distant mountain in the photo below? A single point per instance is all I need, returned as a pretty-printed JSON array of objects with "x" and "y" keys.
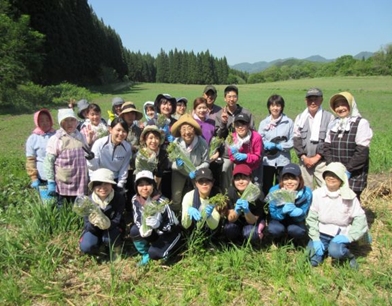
[{"x": 260, "y": 66}]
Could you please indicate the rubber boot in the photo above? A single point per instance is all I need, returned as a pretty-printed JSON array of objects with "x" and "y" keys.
[{"x": 142, "y": 247}]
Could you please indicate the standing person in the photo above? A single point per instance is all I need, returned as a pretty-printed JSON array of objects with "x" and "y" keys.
[
  {"x": 113, "y": 152},
  {"x": 276, "y": 130},
  {"x": 93, "y": 127},
  {"x": 103, "y": 231},
  {"x": 65, "y": 164},
  {"x": 117, "y": 102},
  {"x": 148, "y": 112},
  {"x": 131, "y": 116},
  {"x": 166, "y": 105},
  {"x": 188, "y": 136},
  {"x": 224, "y": 126},
  {"x": 160, "y": 235},
  {"x": 310, "y": 130},
  {"x": 36, "y": 149},
  {"x": 245, "y": 220},
  {"x": 247, "y": 146},
  {"x": 196, "y": 203},
  {"x": 180, "y": 107},
  {"x": 210, "y": 94},
  {"x": 289, "y": 219},
  {"x": 200, "y": 114},
  {"x": 335, "y": 218},
  {"x": 348, "y": 140},
  {"x": 82, "y": 111}
]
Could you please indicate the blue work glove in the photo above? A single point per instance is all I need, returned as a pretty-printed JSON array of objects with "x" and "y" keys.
[
  {"x": 192, "y": 175},
  {"x": 244, "y": 205},
  {"x": 35, "y": 184},
  {"x": 318, "y": 247},
  {"x": 233, "y": 149},
  {"x": 269, "y": 145},
  {"x": 288, "y": 208},
  {"x": 296, "y": 212},
  {"x": 240, "y": 156},
  {"x": 348, "y": 174},
  {"x": 279, "y": 147},
  {"x": 165, "y": 129},
  {"x": 179, "y": 162},
  {"x": 209, "y": 209},
  {"x": 340, "y": 239},
  {"x": 52, "y": 188},
  {"x": 194, "y": 213},
  {"x": 170, "y": 138}
]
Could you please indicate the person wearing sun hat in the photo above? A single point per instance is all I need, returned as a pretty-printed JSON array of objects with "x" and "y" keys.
[
  {"x": 335, "y": 218},
  {"x": 245, "y": 220},
  {"x": 288, "y": 212},
  {"x": 65, "y": 164},
  {"x": 155, "y": 235},
  {"x": 348, "y": 140},
  {"x": 188, "y": 136},
  {"x": 166, "y": 105},
  {"x": 97, "y": 229}
]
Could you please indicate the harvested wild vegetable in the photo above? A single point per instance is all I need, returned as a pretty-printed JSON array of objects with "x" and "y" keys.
[
  {"x": 251, "y": 193},
  {"x": 281, "y": 196},
  {"x": 219, "y": 201},
  {"x": 175, "y": 151},
  {"x": 145, "y": 160},
  {"x": 162, "y": 121},
  {"x": 151, "y": 208},
  {"x": 84, "y": 206},
  {"x": 215, "y": 143}
]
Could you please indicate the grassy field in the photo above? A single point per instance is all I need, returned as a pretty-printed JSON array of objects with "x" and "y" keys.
[{"x": 41, "y": 263}]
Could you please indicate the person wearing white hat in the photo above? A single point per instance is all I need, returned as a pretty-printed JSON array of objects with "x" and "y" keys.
[
  {"x": 155, "y": 232},
  {"x": 97, "y": 230},
  {"x": 335, "y": 218},
  {"x": 65, "y": 164}
]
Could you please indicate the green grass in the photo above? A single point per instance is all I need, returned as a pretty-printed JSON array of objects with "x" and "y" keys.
[{"x": 41, "y": 263}]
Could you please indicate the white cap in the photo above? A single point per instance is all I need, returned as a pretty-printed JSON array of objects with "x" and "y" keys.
[
  {"x": 144, "y": 174},
  {"x": 65, "y": 113},
  {"x": 102, "y": 175}
]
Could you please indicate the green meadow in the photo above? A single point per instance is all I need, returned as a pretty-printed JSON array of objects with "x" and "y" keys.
[{"x": 41, "y": 263}]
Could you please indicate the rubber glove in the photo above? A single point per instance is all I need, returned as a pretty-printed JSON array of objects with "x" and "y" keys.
[
  {"x": 269, "y": 145},
  {"x": 288, "y": 208},
  {"x": 192, "y": 175},
  {"x": 170, "y": 138},
  {"x": 233, "y": 149},
  {"x": 318, "y": 247},
  {"x": 51, "y": 188},
  {"x": 209, "y": 209},
  {"x": 153, "y": 222},
  {"x": 240, "y": 156},
  {"x": 194, "y": 213},
  {"x": 179, "y": 162},
  {"x": 165, "y": 129},
  {"x": 35, "y": 184},
  {"x": 279, "y": 147},
  {"x": 99, "y": 220},
  {"x": 340, "y": 239},
  {"x": 244, "y": 205},
  {"x": 296, "y": 212},
  {"x": 348, "y": 174}
]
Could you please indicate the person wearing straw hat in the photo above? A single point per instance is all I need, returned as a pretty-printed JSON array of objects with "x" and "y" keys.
[
  {"x": 97, "y": 230},
  {"x": 65, "y": 164},
  {"x": 348, "y": 140},
  {"x": 188, "y": 136},
  {"x": 335, "y": 218}
]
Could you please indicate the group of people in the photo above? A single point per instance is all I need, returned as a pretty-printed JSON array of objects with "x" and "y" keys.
[{"x": 176, "y": 170}]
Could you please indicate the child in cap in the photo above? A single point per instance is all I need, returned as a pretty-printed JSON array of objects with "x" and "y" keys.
[
  {"x": 36, "y": 148},
  {"x": 335, "y": 218},
  {"x": 245, "y": 220},
  {"x": 289, "y": 217},
  {"x": 65, "y": 164},
  {"x": 195, "y": 203},
  {"x": 155, "y": 232},
  {"x": 98, "y": 231},
  {"x": 93, "y": 127}
]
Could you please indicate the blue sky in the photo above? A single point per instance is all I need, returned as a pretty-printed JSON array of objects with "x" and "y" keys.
[{"x": 250, "y": 31}]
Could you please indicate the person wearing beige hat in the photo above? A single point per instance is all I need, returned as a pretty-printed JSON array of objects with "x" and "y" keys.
[
  {"x": 348, "y": 140},
  {"x": 65, "y": 164},
  {"x": 335, "y": 218},
  {"x": 97, "y": 230},
  {"x": 188, "y": 136}
]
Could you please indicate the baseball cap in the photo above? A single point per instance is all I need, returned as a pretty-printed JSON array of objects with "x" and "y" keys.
[
  {"x": 314, "y": 92},
  {"x": 182, "y": 99},
  {"x": 242, "y": 169},
  {"x": 144, "y": 174},
  {"x": 242, "y": 117},
  {"x": 117, "y": 101},
  {"x": 210, "y": 88},
  {"x": 292, "y": 169},
  {"x": 204, "y": 173}
]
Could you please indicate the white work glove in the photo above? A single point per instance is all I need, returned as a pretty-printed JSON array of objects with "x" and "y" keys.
[
  {"x": 154, "y": 221},
  {"x": 99, "y": 220}
]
